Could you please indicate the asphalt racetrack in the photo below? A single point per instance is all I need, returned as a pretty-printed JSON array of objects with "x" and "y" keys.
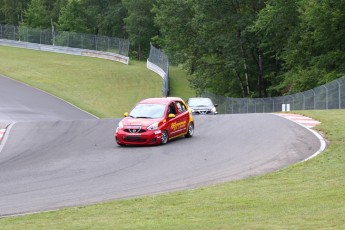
[{"x": 56, "y": 155}]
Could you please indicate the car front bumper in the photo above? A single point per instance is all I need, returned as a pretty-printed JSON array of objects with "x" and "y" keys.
[
  {"x": 150, "y": 137},
  {"x": 203, "y": 112}
]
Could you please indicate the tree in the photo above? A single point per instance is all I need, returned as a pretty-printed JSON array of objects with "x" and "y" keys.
[
  {"x": 224, "y": 30},
  {"x": 72, "y": 18},
  {"x": 314, "y": 52},
  {"x": 96, "y": 17},
  {"x": 111, "y": 20},
  {"x": 177, "y": 36},
  {"x": 139, "y": 25},
  {"x": 37, "y": 15},
  {"x": 275, "y": 25},
  {"x": 54, "y": 8},
  {"x": 12, "y": 11},
  {"x": 213, "y": 38}
]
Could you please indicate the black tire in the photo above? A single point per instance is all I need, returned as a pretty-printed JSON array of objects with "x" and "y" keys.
[
  {"x": 190, "y": 131},
  {"x": 165, "y": 137}
]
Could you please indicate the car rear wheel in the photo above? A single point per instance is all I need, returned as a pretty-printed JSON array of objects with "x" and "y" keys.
[
  {"x": 165, "y": 137},
  {"x": 190, "y": 130}
]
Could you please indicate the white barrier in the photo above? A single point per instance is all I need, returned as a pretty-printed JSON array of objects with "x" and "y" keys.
[
  {"x": 285, "y": 107},
  {"x": 151, "y": 66},
  {"x": 66, "y": 50}
]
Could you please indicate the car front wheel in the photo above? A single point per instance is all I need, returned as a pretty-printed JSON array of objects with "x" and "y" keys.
[{"x": 165, "y": 137}]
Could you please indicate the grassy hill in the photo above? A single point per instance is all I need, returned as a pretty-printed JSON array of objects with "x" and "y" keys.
[
  {"x": 308, "y": 195},
  {"x": 102, "y": 87}
]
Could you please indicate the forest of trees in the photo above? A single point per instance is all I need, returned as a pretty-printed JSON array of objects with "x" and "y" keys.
[{"x": 236, "y": 48}]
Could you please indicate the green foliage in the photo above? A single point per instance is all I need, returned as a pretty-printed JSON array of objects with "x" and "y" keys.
[
  {"x": 112, "y": 20},
  {"x": 139, "y": 25},
  {"x": 37, "y": 15},
  {"x": 100, "y": 17},
  {"x": 175, "y": 18},
  {"x": 275, "y": 25},
  {"x": 12, "y": 12},
  {"x": 313, "y": 53},
  {"x": 212, "y": 40},
  {"x": 42, "y": 13},
  {"x": 247, "y": 48},
  {"x": 72, "y": 18}
]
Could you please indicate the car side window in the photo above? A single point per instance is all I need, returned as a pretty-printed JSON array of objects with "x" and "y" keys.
[
  {"x": 180, "y": 107},
  {"x": 171, "y": 108}
]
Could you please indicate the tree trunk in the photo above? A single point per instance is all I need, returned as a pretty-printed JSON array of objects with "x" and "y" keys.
[
  {"x": 245, "y": 66},
  {"x": 258, "y": 58},
  {"x": 246, "y": 89},
  {"x": 261, "y": 75},
  {"x": 240, "y": 81}
]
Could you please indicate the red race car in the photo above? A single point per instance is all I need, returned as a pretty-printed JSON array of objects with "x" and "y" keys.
[{"x": 154, "y": 121}]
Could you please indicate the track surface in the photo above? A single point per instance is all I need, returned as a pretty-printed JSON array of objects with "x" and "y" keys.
[
  {"x": 53, "y": 160},
  {"x": 19, "y": 102}
]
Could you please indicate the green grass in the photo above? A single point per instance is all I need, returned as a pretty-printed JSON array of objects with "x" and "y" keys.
[
  {"x": 102, "y": 87},
  {"x": 179, "y": 84},
  {"x": 308, "y": 195}
]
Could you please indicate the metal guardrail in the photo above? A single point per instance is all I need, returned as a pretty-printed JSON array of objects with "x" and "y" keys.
[
  {"x": 65, "y": 42},
  {"x": 328, "y": 96},
  {"x": 159, "y": 63},
  {"x": 66, "y": 50}
]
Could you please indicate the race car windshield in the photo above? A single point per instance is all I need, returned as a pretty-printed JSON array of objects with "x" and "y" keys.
[
  {"x": 149, "y": 111},
  {"x": 200, "y": 102}
]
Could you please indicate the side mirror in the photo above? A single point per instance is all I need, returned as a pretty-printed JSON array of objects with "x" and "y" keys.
[
  {"x": 126, "y": 114},
  {"x": 171, "y": 115}
]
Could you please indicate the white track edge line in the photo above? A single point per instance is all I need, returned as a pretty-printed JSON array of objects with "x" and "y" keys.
[
  {"x": 322, "y": 146},
  {"x": 318, "y": 136},
  {"x": 4, "y": 138}
]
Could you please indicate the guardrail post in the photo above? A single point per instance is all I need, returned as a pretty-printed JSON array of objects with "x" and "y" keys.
[
  {"x": 339, "y": 93},
  {"x": 247, "y": 105},
  {"x": 272, "y": 104},
  {"x": 326, "y": 96},
  {"x": 293, "y": 103},
  {"x": 314, "y": 101}
]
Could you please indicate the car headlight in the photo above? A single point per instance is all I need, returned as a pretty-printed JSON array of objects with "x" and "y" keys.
[
  {"x": 153, "y": 126},
  {"x": 120, "y": 125}
]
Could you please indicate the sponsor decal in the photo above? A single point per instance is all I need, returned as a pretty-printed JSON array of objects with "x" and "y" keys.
[{"x": 178, "y": 125}]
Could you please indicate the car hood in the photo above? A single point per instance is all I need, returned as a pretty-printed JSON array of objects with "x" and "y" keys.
[{"x": 130, "y": 121}]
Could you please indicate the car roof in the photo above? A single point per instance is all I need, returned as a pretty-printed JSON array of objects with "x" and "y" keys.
[
  {"x": 199, "y": 98},
  {"x": 161, "y": 100}
]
